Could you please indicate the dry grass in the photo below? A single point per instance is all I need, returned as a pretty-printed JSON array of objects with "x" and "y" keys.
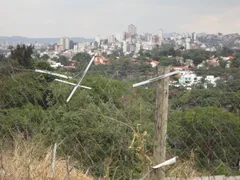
[
  {"x": 30, "y": 161},
  {"x": 183, "y": 169}
]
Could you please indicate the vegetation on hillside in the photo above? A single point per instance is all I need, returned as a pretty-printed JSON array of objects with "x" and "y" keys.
[{"x": 109, "y": 129}]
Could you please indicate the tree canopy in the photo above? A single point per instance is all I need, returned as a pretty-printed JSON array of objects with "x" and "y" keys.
[
  {"x": 209, "y": 133},
  {"x": 197, "y": 55},
  {"x": 45, "y": 57},
  {"x": 64, "y": 60},
  {"x": 82, "y": 59},
  {"x": 236, "y": 62},
  {"x": 23, "y": 55}
]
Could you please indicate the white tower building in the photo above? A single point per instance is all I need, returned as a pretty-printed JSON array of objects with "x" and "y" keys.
[
  {"x": 98, "y": 40},
  {"x": 160, "y": 35},
  {"x": 111, "y": 39},
  {"x": 64, "y": 42},
  {"x": 138, "y": 47},
  {"x": 194, "y": 36},
  {"x": 132, "y": 30},
  {"x": 126, "y": 47}
]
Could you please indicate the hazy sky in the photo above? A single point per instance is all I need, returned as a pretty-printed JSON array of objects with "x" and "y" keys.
[{"x": 88, "y": 18}]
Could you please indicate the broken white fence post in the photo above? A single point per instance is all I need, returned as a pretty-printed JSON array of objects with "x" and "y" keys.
[
  {"x": 73, "y": 84},
  {"x": 52, "y": 73},
  {"x": 155, "y": 79},
  {"x": 79, "y": 82},
  {"x": 166, "y": 163}
]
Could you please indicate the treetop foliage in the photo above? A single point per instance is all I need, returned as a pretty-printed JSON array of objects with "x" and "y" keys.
[{"x": 23, "y": 55}]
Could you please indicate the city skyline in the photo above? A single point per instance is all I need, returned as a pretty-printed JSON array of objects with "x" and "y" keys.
[{"x": 43, "y": 18}]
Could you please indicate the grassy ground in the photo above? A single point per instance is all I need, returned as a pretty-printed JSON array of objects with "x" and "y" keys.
[{"x": 26, "y": 160}]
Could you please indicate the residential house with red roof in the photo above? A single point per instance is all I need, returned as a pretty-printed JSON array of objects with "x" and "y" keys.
[{"x": 101, "y": 60}]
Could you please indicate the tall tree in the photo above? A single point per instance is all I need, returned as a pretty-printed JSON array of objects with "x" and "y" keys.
[
  {"x": 211, "y": 132},
  {"x": 236, "y": 62},
  {"x": 226, "y": 52},
  {"x": 45, "y": 57},
  {"x": 82, "y": 59},
  {"x": 64, "y": 60},
  {"x": 2, "y": 57},
  {"x": 23, "y": 55}
]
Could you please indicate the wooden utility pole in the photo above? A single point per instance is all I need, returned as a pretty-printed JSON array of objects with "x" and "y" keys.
[{"x": 160, "y": 129}]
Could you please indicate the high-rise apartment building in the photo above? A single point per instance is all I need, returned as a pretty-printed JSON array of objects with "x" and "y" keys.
[
  {"x": 67, "y": 43},
  {"x": 132, "y": 47},
  {"x": 132, "y": 30},
  {"x": 138, "y": 47},
  {"x": 111, "y": 39},
  {"x": 119, "y": 37},
  {"x": 155, "y": 39},
  {"x": 98, "y": 39},
  {"x": 71, "y": 44},
  {"x": 194, "y": 36},
  {"x": 187, "y": 44},
  {"x": 126, "y": 47},
  {"x": 64, "y": 42},
  {"x": 160, "y": 36},
  {"x": 97, "y": 42},
  {"x": 148, "y": 37}
]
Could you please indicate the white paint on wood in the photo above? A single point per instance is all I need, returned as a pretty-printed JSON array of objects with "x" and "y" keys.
[
  {"x": 52, "y": 73},
  {"x": 73, "y": 84},
  {"x": 79, "y": 82},
  {"x": 155, "y": 79},
  {"x": 166, "y": 163}
]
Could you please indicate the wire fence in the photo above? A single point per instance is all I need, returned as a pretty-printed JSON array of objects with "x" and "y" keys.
[{"x": 107, "y": 132}]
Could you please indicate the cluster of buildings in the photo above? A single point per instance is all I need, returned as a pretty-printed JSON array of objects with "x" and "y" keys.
[
  {"x": 215, "y": 61},
  {"x": 128, "y": 42},
  {"x": 131, "y": 42},
  {"x": 188, "y": 78},
  {"x": 190, "y": 41},
  {"x": 186, "y": 40},
  {"x": 64, "y": 44}
]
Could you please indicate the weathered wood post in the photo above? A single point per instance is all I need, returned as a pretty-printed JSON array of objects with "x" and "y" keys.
[{"x": 160, "y": 125}]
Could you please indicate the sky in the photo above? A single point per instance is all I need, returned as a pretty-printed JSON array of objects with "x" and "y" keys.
[{"x": 89, "y": 18}]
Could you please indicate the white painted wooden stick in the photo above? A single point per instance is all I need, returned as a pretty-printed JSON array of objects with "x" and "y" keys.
[
  {"x": 73, "y": 84},
  {"x": 79, "y": 82},
  {"x": 166, "y": 163},
  {"x": 155, "y": 79},
  {"x": 52, "y": 73}
]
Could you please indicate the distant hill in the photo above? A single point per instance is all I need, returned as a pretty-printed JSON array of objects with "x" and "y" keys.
[
  {"x": 228, "y": 40},
  {"x": 19, "y": 39}
]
